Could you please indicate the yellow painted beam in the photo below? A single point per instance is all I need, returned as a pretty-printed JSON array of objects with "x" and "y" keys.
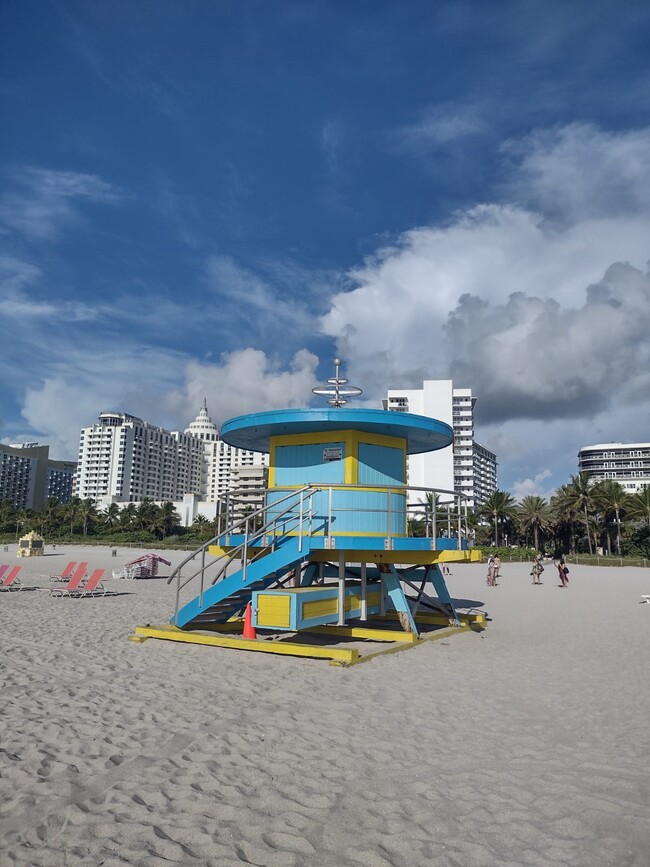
[
  {"x": 437, "y": 619},
  {"x": 397, "y": 648},
  {"x": 412, "y": 558},
  {"x": 365, "y": 632},
  {"x": 172, "y": 633}
]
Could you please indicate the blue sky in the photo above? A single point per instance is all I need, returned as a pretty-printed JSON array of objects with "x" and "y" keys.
[{"x": 215, "y": 198}]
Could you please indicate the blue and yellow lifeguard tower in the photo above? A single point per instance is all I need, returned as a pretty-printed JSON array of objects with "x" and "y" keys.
[{"x": 328, "y": 559}]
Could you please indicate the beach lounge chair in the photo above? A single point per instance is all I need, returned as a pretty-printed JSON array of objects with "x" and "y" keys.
[
  {"x": 73, "y": 583},
  {"x": 67, "y": 572},
  {"x": 92, "y": 587},
  {"x": 11, "y": 581},
  {"x": 3, "y": 569}
]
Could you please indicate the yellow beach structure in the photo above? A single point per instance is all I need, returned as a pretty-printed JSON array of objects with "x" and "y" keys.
[
  {"x": 31, "y": 545},
  {"x": 329, "y": 554}
]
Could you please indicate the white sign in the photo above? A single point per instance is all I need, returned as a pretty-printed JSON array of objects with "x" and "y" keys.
[{"x": 333, "y": 454}]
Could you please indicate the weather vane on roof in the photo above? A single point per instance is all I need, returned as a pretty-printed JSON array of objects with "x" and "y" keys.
[{"x": 334, "y": 391}]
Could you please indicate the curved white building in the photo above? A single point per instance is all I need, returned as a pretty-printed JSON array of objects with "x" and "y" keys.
[
  {"x": 625, "y": 463},
  {"x": 224, "y": 467}
]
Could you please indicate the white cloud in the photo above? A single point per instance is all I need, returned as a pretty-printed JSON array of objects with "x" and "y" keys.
[
  {"x": 160, "y": 386},
  {"x": 531, "y": 487},
  {"x": 41, "y": 202},
  {"x": 247, "y": 380},
  {"x": 580, "y": 172},
  {"x": 440, "y": 126},
  {"x": 545, "y": 319}
]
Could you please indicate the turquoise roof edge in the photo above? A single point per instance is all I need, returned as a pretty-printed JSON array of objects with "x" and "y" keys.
[{"x": 254, "y": 431}]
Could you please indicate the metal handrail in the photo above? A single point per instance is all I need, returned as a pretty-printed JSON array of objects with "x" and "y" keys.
[
  {"x": 302, "y": 500},
  {"x": 242, "y": 548}
]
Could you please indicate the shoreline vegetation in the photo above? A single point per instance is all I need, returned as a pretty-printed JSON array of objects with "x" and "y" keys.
[{"x": 583, "y": 519}]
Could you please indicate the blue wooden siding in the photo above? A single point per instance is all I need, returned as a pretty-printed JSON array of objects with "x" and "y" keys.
[
  {"x": 298, "y": 465},
  {"x": 380, "y": 465},
  {"x": 353, "y": 511}
]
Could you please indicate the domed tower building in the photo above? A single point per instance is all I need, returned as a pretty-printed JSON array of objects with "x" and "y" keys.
[{"x": 225, "y": 467}]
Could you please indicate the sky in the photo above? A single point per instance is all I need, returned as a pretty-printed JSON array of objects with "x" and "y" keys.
[{"x": 206, "y": 198}]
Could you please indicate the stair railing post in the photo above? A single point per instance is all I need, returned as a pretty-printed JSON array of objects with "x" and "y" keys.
[
  {"x": 300, "y": 524},
  {"x": 245, "y": 552},
  {"x": 178, "y": 593},
  {"x": 459, "y": 523},
  {"x": 390, "y": 514},
  {"x": 434, "y": 520},
  {"x": 341, "y": 620},
  {"x": 329, "y": 513},
  {"x": 202, "y": 577}
]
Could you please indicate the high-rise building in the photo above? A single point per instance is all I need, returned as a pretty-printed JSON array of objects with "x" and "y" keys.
[
  {"x": 221, "y": 462},
  {"x": 28, "y": 477},
  {"x": 123, "y": 458},
  {"x": 467, "y": 467},
  {"x": 625, "y": 463}
]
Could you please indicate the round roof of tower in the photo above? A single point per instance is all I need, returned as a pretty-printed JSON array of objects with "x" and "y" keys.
[
  {"x": 202, "y": 424},
  {"x": 254, "y": 431}
]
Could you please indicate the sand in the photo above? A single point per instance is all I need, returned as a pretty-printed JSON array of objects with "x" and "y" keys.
[{"x": 524, "y": 745}]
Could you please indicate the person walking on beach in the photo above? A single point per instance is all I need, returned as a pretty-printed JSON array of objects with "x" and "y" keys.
[
  {"x": 563, "y": 571},
  {"x": 537, "y": 569},
  {"x": 497, "y": 567},
  {"x": 491, "y": 579}
]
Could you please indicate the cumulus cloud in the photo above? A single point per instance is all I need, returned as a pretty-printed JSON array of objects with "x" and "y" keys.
[
  {"x": 247, "y": 380},
  {"x": 540, "y": 304},
  {"x": 163, "y": 387}
]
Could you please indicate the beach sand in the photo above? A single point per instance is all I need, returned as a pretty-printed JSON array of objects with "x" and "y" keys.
[{"x": 526, "y": 744}]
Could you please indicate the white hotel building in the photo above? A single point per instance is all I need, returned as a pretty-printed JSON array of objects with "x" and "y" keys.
[
  {"x": 125, "y": 459},
  {"x": 625, "y": 463},
  {"x": 467, "y": 468}
]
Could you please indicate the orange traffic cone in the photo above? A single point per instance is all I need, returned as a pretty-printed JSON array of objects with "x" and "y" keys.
[{"x": 249, "y": 629}]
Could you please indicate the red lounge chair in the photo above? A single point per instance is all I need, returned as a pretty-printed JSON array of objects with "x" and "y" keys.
[
  {"x": 3, "y": 569},
  {"x": 73, "y": 583},
  {"x": 92, "y": 587},
  {"x": 67, "y": 572},
  {"x": 11, "y": 582}
]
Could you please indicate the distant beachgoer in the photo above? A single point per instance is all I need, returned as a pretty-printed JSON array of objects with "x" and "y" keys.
[
  {"x": 563, "y": 571},
  {"x": 491, "y": 579},
  {"x": 497, "y": 566},
  {"x": 537, "y": 569}
]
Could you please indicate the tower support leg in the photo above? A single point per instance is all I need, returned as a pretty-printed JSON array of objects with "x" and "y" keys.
[
  {"x": 391, "y": 582},
  {"x": 436, "y": 578}
]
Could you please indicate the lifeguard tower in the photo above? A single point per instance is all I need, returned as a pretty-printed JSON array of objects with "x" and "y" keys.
[
  {"x": 328, "y": 558},
  {"x": 31, "y": 545}
]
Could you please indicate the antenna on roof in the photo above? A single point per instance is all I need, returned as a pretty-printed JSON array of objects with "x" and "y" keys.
[{"x": 334, "y": 391}]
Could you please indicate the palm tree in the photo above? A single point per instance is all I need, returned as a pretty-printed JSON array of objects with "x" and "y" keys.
[
  {"x": 498, "y": 507},
  {"x": 87, "y": 511},
  {"x": 111, "y": 516},
  {"x": 169, "y": 518},
  {"x": 639, "y": 505},
  {"x": 579, "y": 493},
  {"x": 145, "y": 513},
  {"x": 52, "y": 515},
  {"x": 610, "y": 497},
  {"x": 127, "y": 516},
  {"x": 72, "y": 512},
  {"x": 533, "y": 514},
  {"x": 563, "y": 509},
  {"x": 7, "y": 514}
]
